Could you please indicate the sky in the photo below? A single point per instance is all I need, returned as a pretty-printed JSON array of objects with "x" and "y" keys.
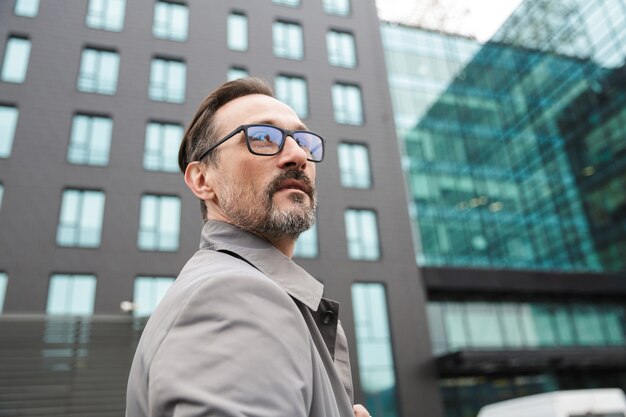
[{"x": 476, "y": 18}]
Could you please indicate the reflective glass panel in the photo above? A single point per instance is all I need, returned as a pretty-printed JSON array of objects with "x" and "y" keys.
[
  {"x": 71, "y": 294},
  {"x": 293, "y": 92},
  {"x": 98, "y": 71},
  {"x": 8, "y": 122},
  {"x": 341, "y": 49},
  {"x": 354, "y": 165},
  {"x": 288, "y": 40},
  {"x": 106, "y": 14},
  {"x": 362, "y": 235},
  {"x": 347, "y": 104},
  {"x": 26, "y": 8},
  {"x": 4, "y": 279},
  {"x": 159, "y": 223},
  {"x": 171, "y": 21},
  {"x": 338, "y": 7},
  {"x": 80, "y": 220},
  {"x": 90, "y": 140},
  {"x": 167, "y": 80},
  {"x": 161, "y": 147},
  {"x": 148, "y": 292},
  {"x": 306, "y": 245},
  {"x": 15, "y": 64},
  {"x": 237, "y": 36}
]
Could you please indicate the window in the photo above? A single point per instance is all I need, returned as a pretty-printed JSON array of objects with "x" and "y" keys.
[
  {"x": 15, "y": 61},
  {"x": 4, "y": 278},
  {"x": 288, "y": 42},
  {"x": 8, "y": 121},
  {"x": 237, "y": 32},
  {"x": 106, "y": 14},
  {"x": 160, "y": 223},
  {"x": 373, "y": 346},
  {"x": 306, "y": 245},
  {"x": 354, "y": 165},
  {"x": 235, "y": 73},
  {"x": 90, "y": 140},
  {"x": 338, "y": 7},
  {"x": 292, "y": 3},
  {"x": 98, "y": 71},
  {"x": 167, "y": 80},
  {"x": 80, "y": 222},
  {"x": 362, "y": 234},
  {"x": 170, "y": 21},
  {"x": 1, "y": 194},
  {"x": 341, "y": 49},
  {"x": 161, "y": 149},
  {"x": 292, "y": 91},
  {"x": 26, "y": 8},
  {"x": 148, "y": 292},
  {"x": 71, "y": 294},
  {"x": 347, "y": 104}
]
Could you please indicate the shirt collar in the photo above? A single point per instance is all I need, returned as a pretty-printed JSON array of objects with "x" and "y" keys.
[{"x": 296, "y": 282}]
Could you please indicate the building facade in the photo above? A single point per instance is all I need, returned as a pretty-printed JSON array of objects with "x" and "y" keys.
[
  {"x": 94, "y": 97},
  {"x": 513, "y": 153}
]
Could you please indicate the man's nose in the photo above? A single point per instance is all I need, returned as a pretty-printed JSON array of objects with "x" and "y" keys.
[{"x": 292, "y": 154}]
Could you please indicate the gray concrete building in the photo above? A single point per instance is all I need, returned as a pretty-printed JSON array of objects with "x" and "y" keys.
[{"x": 93, "y": 99}]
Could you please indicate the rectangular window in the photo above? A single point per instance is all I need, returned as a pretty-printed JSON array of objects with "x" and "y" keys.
[
  {"x": 80, "y": 221},
  {"x": 160, "y": 223},
  {"x": 292, "y": 3},
  {"x": 288, "y": 40},
  {"x": 1, "y": 194},
  {"x": 106, "y": 14},
  {"x": 354, "y": 165},
  {"x": 148, "y": 292},
  {"x": 161, "y": 148},
  {"x": 4, "y": 279},
  {"x": 98, "y": 71},
  {"x": 8, "y": 122},
  {"x": 338, "y": 7},
  {"x": 237, "y": 32},
  {"x": 15, "y": 62},
  {"x": 374, "y": 350},
  {"x": 293, "y": 92},
  {"x": 167, "y": 80},
  {"x": 362, "y": 235},
  {"x": 171, "y": 21},
  {"x": 306, "y": 245},
  {"x": 71, "y": 294},
  {"x": 26, "y": 8},
  {"x": 90, "y": 140},
  {"x": 341, "y": 49},
  {"x": 347, "y": 104},
  {"x": 236, "y": 73}
]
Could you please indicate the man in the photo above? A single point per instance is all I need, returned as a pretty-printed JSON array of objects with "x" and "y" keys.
[{"x": 244, "y": 331}]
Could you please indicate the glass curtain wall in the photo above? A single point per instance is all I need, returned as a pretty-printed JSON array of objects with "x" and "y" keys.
[{"x": 514, "y": 150}]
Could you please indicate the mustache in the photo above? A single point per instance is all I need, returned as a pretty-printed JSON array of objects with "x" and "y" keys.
[{"x": 277, "y": 182}]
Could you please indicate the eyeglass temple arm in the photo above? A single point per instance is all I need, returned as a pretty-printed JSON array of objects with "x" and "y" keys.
[{"x": 215, "y": 145}]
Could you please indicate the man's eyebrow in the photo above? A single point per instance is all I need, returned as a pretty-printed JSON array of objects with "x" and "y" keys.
[{"x": 301, "y": 126}]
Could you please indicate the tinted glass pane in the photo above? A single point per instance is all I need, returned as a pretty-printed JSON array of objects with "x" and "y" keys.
[
  {"x": 237, "y": 32},
  {"x": 16, "y": 57},
  {"x": 148, "y": 293},
  {"x": 8, "y": 122},
  {"x": 4, "y": 279},
  {"x": 71, "y": 295},
  {"x": 27, "y": 8}
]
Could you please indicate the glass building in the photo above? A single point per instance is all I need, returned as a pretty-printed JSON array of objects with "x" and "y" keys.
[
  {"x": 514, "y": 154},
  {"x": 514, "y": 150}
]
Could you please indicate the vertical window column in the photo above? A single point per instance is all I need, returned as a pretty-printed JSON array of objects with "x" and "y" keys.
[
  {"x": 106, "y": 14},
  {"x": 374, "y": 350},
  {"x": 148, "y": 292},
  {"x": 71, "y": 294},
  {"x": 168, "y": 80},
  {"x": 26, "y": 8},
  {"x": 171, "y": 21},
  {"x": 98, "y": 71},
  {"x": 160, "y": 223},
  {"x": 306, "y": 245},
  {"x": 161, "y": 148},
  {"x": 347, "y": 104},
  {"x": 354, "y": 165},
  {"x": 237, "y": 31},
  {"x": 15, "y": 63},
  {"x": 80, "y": 221},
  {"x": 288, "y": 40},
  {"x": 8, "y": 122},
  {"x": 362, "y": 235},
  {"x": 90, "y": 140},
  {"x": 293, "y": 92},
  {"x": 341, "y": 49}
]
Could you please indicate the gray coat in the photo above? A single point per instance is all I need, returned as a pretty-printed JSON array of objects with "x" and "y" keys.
[{"x": 243, "y": 331}]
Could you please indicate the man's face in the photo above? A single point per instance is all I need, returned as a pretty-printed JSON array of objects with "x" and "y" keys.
[{"x": 273, "y": 196}]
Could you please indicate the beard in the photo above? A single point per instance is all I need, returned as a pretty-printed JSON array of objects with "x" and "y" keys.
[{"x": 256, "y": 212}]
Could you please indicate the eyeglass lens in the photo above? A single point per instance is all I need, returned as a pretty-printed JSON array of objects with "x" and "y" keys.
[{"x": 267, "y": 140}]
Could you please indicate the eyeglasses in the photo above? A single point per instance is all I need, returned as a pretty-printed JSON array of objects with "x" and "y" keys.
[{"x": 268, "y": 140}]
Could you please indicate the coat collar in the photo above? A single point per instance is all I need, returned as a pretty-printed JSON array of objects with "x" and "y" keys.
[{"x": 296, "y": 282}]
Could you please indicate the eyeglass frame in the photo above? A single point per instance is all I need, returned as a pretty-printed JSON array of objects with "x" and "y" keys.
[{"x": 285, "y": 132}]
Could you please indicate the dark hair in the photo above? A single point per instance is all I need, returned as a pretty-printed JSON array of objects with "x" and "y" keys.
[{"x": 200, "y": 133}]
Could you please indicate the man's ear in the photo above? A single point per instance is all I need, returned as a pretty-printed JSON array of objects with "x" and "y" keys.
[{"x": 200, "y": 181}]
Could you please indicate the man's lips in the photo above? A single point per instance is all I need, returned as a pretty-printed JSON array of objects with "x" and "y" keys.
[{"x": 294, "y": 185}]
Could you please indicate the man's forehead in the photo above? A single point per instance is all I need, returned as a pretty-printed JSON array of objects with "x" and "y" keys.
[{"x": 258, "y": 108}]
